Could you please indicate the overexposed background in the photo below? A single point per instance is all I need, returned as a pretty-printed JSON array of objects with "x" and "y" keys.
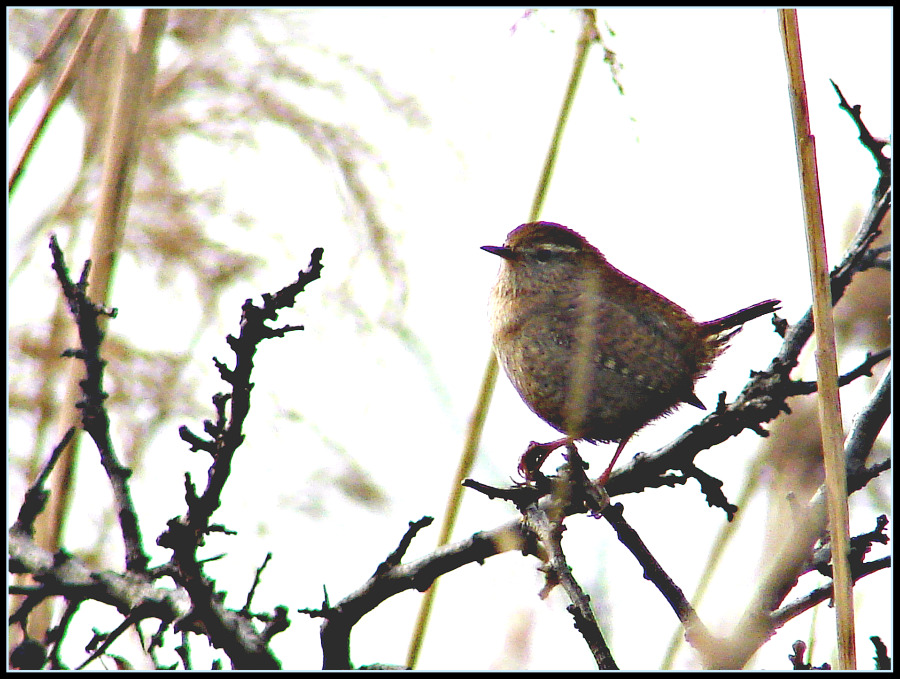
[{"x": 688, "y": 183}]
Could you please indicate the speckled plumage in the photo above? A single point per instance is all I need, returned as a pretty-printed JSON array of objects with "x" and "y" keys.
[{"x": 593, "y": 352}]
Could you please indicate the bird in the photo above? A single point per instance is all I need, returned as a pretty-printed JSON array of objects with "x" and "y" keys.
[{"x": 591, "y": 351}]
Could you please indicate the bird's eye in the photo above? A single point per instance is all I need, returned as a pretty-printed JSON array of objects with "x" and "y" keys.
[{"x": 543, "y": 255}]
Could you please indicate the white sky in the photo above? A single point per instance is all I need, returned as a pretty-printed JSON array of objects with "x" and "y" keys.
[{"x": 688, "y": 183}]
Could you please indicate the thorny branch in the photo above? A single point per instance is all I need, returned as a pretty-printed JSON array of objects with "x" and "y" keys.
[
  {"x": 875, "y": 146},
  {"x": 36, "y": 497},
  {"x": 387, "y": 580},
  {"x": 763, "y": 399},
  {"x": 194, "y": 605},
  {"x": 94, "y": 418},
  {"x": 557, "y": 571},
  {"x": 186, "y": 534}
]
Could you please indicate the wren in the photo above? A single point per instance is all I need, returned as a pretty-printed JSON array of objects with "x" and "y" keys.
[{"x": 593, "y": 352}]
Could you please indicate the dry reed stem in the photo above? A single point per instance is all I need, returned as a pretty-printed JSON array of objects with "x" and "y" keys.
[
  {"x": 135, "y": 90},
  {"x": 41, "y": 61},
  {"x": 826, "y": 353},
  {"x": 60, "y": 90},
  {"x": 586, "y": 38}
]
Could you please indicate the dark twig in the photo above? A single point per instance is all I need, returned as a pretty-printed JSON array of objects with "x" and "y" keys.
[
  {"x": 227, "y": 431},
  {"x": 874, "y": 146},
  {"x": 520, "y": 495},
  {"x": 36, "y": 496},
  {"x": 859, "y": 442},
  {"x": 864, "y": 429},
  {"x": 246, "y": 609},
  {"x": 791, "y": 557},
  {"x": 275, "y": 623},
  {"x": 108, "y": 639},
  {"x": 549, "y": 533},
  {"x": 184, "y": 652},
  {"x": 56, "y": 634},
  {"x": 790, "y": 611},
  {"x": 571, "y": 492},
  {"x": 395, "y": 557},
  {"x": 695, "y": 631},
  {"x": 711, "y": 487},
  {"x": 882, "y": 659},
  {"x": 864, "y": 369},
  {"x": 574, "y": 492},
  {"x": 860, "y": 545},
  {"x": 798, "y": 661},
  {"x": 855, "y": 256},
  {"x": 761, "y": 400},
  {"x": 418, "y": 575},
  {"x": 94, "y": 418},
  {"x": 595, "y": 498},
  {"x": 229, "y": 630},
  {"x": 384, "y": 583},
  {"x": 873, "y": 259}
]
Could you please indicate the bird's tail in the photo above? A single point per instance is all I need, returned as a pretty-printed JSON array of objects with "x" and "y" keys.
[{"x": 738, "y": 318}]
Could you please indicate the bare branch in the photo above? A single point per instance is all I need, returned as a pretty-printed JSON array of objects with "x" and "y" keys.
[
  {"x": 36, "y": 496},
  {"x": 94, "y": 417}
]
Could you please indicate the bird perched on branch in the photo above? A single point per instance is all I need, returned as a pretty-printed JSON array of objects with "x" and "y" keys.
[{"x": 593, "y": 352}]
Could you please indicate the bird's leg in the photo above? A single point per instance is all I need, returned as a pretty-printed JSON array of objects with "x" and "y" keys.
[
  {"x": 536, "y": 453},
  {"x": 604, "y": 477}
]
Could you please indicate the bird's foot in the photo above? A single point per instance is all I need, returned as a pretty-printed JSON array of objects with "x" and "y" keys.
[
  {"x": 535, "y": 455},
  {"x": 604, "y": 477}
]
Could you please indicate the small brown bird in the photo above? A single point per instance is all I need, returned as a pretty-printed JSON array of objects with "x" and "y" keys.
[{"x": 593, "y": 352}]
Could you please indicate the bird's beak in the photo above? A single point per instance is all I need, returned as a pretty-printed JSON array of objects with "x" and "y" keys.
[{"x": 498, "y": 250}]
